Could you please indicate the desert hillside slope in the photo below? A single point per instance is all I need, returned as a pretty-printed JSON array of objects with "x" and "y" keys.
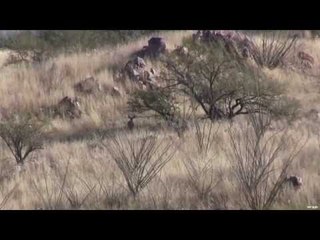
[{"x": 75, "y": 170}]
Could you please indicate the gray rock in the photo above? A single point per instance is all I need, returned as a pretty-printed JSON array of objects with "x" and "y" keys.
[
  {"x": 68, "y": 107},
  {"x": 139, "y": 62},
  {"x": 156, "y": 47},
  {"x": 88, "y": 85}
]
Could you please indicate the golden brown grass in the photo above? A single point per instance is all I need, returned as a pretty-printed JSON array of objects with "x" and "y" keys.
[{"x": 92, "y": 180}]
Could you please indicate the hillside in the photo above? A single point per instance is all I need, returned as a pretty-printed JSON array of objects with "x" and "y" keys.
[{"x": 76, "y": 170}]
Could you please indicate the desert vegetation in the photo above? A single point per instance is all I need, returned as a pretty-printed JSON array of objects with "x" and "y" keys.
[{"x": 217, "y": 120}]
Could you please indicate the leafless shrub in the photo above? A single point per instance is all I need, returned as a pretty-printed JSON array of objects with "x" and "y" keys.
[
  {"x": 139, "y": 160},
  {"x": 6, "y": 197},
  {"x": 202, "y": 177},
  {"x": 111, "y": 193},
  {"x": 50, "y": 197},
  {"x": 49, "y": 78},
  {"x": 273, "y": 49},
  {"x": 205, "y": 135},
  {"x": 260, "y": 160},
  {"x": 22, "y": 135},
  {"x": 62, "y": 192},
  {"x": 160, "y": 199},
  {"x": 76, "y": 198},
  {"x": 219, "y": 201}
]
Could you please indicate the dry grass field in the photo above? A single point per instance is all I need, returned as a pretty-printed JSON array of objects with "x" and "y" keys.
[{"x": 75, "y": 171}]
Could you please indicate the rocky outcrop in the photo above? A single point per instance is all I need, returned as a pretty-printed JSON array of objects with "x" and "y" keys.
[
  {"x": 134, "y": 68},
  {"x": 136, "y": 71},
  {"x": 235, "y": 42}
]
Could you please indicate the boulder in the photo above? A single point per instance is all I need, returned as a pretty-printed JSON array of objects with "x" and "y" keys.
[
  {"x": 111, "y": 90},
  {"x": 68, "y": 107},
  {"x": 87, "y": 86},
  {"x": 135, "y": 68},
  {"x": 157, "y": 44},
  {"x": 142, "y": 85},
  {"x": 150, "y": 79},
  {"x": 119, "y": 76},
  {"x": 181, "y": 51},
  {"x": 156, "y": 47},
  {"x": 139, "y": 62},
  {"x": 115, "y": 92}
]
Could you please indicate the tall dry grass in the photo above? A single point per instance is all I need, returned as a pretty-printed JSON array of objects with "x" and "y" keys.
[{"x": 75, "y": 172}]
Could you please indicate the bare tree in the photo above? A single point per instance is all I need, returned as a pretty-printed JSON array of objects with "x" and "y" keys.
[{"x": 139, "y": 160}]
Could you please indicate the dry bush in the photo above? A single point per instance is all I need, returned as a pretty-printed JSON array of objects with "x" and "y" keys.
[
  {"x": 111, "y": 194},
  {"x": 15, "y": 58},
  {"x": 49, "y": 78},
  {"x": 272, "y": 50},
  {"x": 201, "y": 172},
  {"x": 139, "y": 160},
  {"x": 202, "y": 178},
  {"x": 205, "y": 135},
  {"x": 75, "y": 198},
  {"x": 22, "y": 135},
  {"x": 26, "y": 56},
  {"x": 160, "y": 101},
  {"x": 26, "y": 50},
  {"x": 50, "y": 191},
  {"x": 160, "y": 199},
  {"x": 61, "y": 190},
  {"x": 6, "y": 196},
  {"x": 260, "y": 160}
]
